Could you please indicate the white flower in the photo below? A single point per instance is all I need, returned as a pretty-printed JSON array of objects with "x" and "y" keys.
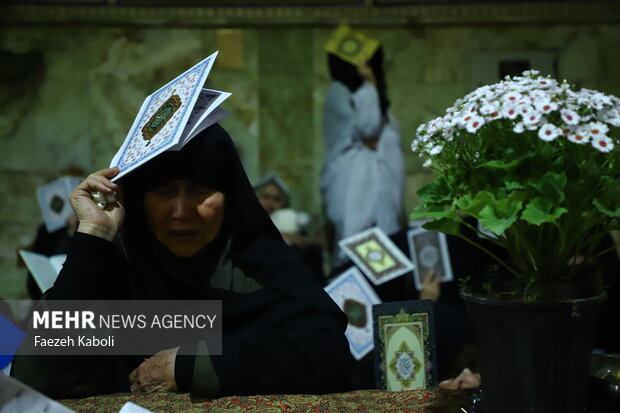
[
  {"x": 448, "y": 133},
  {"x": 615, "y": 121},
  {"x": 538, "y": 94},
  {"x": 579, "y": 135},
  {"x": 463, "y": 120},
  {"x": 474, "y": 124},
  {"x": 569, "y": 117},
  {"x": 531, "y": 73},
  {"x": 495, "y": 115},
  {"x": 525, "y": 110},
  {"x": 513, "y": 97},
  {"x": 532, "y": 118},
  {"x": 603, "y": 143},
  {"x": 518, "y": 128},
  {"x": 596, "y": 129},
  {"x": 427, "y": 163},
  {"x": 549, "y": 132},
  {"x": 435, "y": 150},
  {"x": 546, "y": 106},
  {"x": 510, "y": 111},
  {"x": 488, "y": 108},
  {"x": 544, "y": 83}
]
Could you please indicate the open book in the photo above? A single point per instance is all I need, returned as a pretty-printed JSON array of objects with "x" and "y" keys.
[
  {"x": 170, "y": 117},
  {"x": 16, "y": 397},
  {"x": 44, "y": 269}
]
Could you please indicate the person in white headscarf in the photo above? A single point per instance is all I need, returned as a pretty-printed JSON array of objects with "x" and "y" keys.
[{"x": 362, "y": 180}]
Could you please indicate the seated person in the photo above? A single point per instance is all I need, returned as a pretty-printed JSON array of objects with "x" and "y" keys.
[
  {"x": 191, "y": 228},
  {"x": 273, "y": 195},
  {"x": 272, "y": 192}
]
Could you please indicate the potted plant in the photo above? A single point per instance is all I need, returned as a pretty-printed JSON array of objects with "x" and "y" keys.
[{"x": 536, "y": 163}]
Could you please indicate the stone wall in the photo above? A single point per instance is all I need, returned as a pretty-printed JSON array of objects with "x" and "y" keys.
[{"x": 69, "y": 93}]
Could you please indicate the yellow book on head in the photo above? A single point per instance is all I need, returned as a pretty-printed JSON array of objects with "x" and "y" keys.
[{"x": 351, "y": 45}]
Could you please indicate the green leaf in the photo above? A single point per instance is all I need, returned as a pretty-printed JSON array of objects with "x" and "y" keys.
[
  {"x": 512, "y": 185},
  {"x": 499, "y": 217},
  {"x": 450, "y": 226},
  {"x": 611, "y": 211},
  {"x": 609, "y": 202},
  {"x": 473, "y": 206},
  {"x": 435, "y": 191},
  {"x": 511, "y": 158},
  {"x": 499, "y": 164},
  {"x": 552, "y": 185},
  {"x": 495, "y": 215},
  {"x": 541, "y": 210},
  {"x": 432, "y": 211}
]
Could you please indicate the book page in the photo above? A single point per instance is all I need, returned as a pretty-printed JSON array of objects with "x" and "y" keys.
[
  {"x": 41, "y": 269},
  {"x": 57, "y": 261},
  {"x": 207, "y": 102}
]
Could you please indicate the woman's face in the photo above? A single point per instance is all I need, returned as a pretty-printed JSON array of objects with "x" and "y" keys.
[
  {"x": 184, "y": 215},
  {"x": 271, "y": 197}
]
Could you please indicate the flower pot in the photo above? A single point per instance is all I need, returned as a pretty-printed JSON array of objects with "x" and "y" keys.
[{"x": 533, "y": 357}]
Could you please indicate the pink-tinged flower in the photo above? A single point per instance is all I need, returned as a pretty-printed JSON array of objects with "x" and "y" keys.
[
  {"x": 474, "y": 124},
  {"x": 448, "y": 133},
  {"x": 525, "y": 110},
  {"x": 546, "y": 106},
  {"x": 567, "y": 130},
  {"x": 549, "y": 132},
  {"x": 512, "y": 97},
  {"x": 466, "y": 118},
  {"x": 603, "y": 143},
  {"x": 488, "y": 108},
  {"x": 544, "y": 83},
  {"x": 510, "y": 111},
  {"x": 538, "y": 94},
  {"x": 532, "y": 118},
  {"x": 519, "y": 128},
  {"x": 596, "y": 129},
  {"x": 569, "y": 117},
  {"x": 495, "y": 115},
  {"x": 579, "y": 135}
]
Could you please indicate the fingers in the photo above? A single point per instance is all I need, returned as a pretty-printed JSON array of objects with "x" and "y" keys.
[
  {"x": 450, "y": 384},
  {"x": 430, "y": 277},
  {"x": 100, "y": 181},
  {"x": 134, "y": 384}
]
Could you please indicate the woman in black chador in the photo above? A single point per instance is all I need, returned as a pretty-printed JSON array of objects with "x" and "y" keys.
[{"x": 191, "y": 228}]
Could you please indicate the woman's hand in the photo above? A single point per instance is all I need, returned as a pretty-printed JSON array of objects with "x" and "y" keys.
[
  {"x": 466, "y": 380},
  {"x": 92, "y": 219},
  {"x": 431, "y": 286},
  {"x": 366, "y": 72},
  {"x": 156, "y": 373}
]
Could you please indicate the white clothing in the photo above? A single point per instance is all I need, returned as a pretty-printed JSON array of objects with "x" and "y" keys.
[{"x": 361, "y": 187}]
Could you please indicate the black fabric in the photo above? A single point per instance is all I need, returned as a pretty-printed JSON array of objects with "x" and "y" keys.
[
  {"x": 346, "y": 73},
  {"x": 287, "y": 337},
  {"x": 46, "y": 243}
]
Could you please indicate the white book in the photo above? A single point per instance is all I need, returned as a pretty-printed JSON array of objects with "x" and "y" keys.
[
  {"x": 170, "y": 117},
  {"x": 44, "y": 269}
]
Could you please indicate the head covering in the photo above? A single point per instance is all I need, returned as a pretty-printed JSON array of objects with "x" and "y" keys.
[
  {"x": 346, "y": 73},
  {"x": 272, "y": 178},
  {"x": 247, "y": 237}
]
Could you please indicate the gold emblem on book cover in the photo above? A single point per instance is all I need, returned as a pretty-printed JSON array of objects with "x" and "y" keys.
[{"x": 161, "y": 117}]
